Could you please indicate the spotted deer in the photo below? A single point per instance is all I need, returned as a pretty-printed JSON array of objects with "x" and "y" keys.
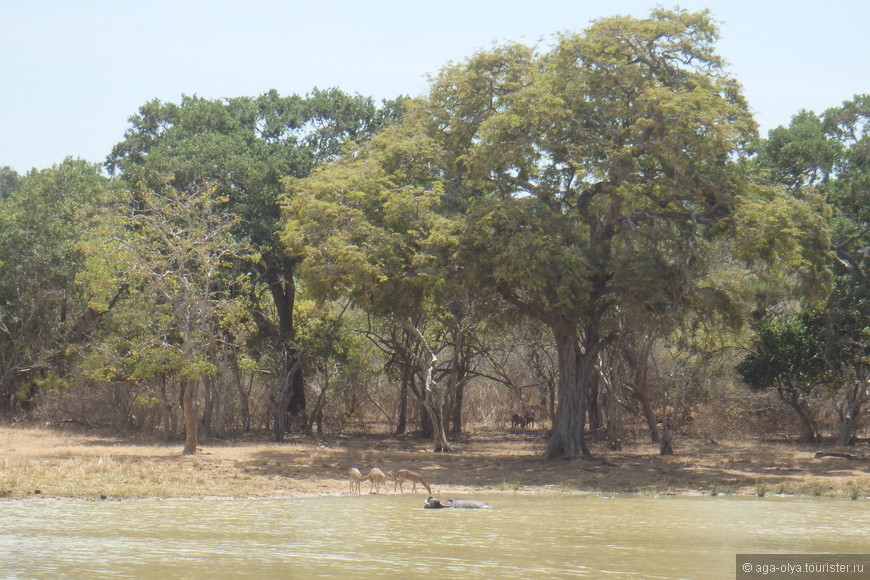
[
  {"x": 378, "y": 478},
  {"x": 356, "y": 478},
  {"x": 404, "y": 475}
]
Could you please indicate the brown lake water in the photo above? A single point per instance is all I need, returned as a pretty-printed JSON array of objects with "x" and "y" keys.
[{"x": 392, "y": 536}]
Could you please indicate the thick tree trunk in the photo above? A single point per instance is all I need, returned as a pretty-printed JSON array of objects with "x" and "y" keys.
[
  {"x": 429, "y": 393},
  {"x": 567, "y": 438},
  {"x": 436, "y": 418},
  {"x": 427, "y": 429},
  {"x": 291, "y": 390},
  {"x": 641, "y": 393},
  {"x": 848, "y": 426},
  {"x": 808, "y": 425},
  {"x": 432, "y": 425},
  {"x": 807, "y": 421},
  {"x": 284, "y": 405}
]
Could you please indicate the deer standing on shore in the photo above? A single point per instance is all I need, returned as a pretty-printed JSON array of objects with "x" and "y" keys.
[
  {"x": 378, "y": 478},
  {"x": 355, "y": 479},
  {"x": 404, "y": 475}
]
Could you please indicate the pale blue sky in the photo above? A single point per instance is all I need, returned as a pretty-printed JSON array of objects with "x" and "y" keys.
[{"x": 74, "y": 71}]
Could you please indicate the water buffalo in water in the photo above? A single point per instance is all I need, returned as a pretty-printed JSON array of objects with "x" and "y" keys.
[{"x": 433, "y": 503}]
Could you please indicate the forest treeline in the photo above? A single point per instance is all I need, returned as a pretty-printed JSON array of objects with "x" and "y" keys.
[{"x": 591, "y": 234}]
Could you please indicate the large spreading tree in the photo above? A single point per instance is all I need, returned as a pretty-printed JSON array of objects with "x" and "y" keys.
[
  {"x": 578, "y": 180},
  {"x": 606, "y": 167}
]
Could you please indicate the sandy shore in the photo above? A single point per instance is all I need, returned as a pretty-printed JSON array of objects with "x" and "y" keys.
[{"x": 40, "y": 463}]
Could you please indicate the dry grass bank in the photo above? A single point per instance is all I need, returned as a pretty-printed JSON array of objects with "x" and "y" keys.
[{"x": 39, "y": 463}]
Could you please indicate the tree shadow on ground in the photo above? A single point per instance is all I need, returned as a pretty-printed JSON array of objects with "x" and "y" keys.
[{"x": 515, "y": 462}]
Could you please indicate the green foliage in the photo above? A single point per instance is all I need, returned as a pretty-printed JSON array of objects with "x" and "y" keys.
[
  {"x": 42, "y": 219},
  {"x": 788, "y": 353},
  {"x": 826, "y": 157},
  {"x": 786, "y": 241},
  {"x": 163, "y": 284},
  {"x": 9, "y": 182},
  {"x": 601, "y": 186},
  {"x": 146, "y": 401},
  {"x": 574, "y": 183},
  {"x": 599, "y": 164},
  {"x": 40, "y": 310},
  {"x": 820, "y": 217},
  {"x": 242, "y": 146},
  {"x": 534, "y": 256},
  {"x": 800, "y": 154},
  {"x": 361, "y": 231}
]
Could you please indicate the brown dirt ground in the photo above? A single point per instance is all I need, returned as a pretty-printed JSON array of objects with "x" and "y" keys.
[{"x": 41, "y": 463}]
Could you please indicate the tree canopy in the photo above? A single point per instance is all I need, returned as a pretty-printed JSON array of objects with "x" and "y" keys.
[{"x": 578, "y": 179}]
